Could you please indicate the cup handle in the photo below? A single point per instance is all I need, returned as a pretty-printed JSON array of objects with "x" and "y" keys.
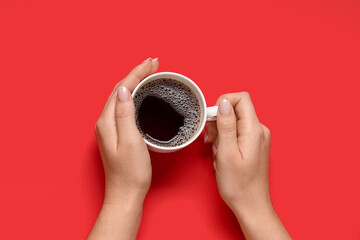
[{"x": 211, "y": 113}]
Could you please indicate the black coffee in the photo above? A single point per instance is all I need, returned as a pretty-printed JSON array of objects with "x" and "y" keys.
[
  {"x": 158, "y": 119},
  {"x": 167, "y": 112}
]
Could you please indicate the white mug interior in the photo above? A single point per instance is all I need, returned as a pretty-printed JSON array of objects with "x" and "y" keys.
[{"x": 199, "y": 95}]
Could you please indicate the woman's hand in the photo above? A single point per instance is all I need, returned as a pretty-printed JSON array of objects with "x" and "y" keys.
[
  {"x": 125, "y": 158},
  {"x": 123, "y": 151},
  {"x": 241, "y": 146}
]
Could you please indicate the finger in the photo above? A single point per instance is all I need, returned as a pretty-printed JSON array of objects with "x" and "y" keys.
[
  {"x": 149, "y": 66},
  {"x": 243, "y": 106},
  {"x": 105, "y": 131},
  {"x": 155, "y": 65},
  {"x": 214, "y": 152},
  {"x": 266, "y": 135},
  {"x": 249, "y": 130},
  {"x": 245, "y": 112},
  {"x": 125, "y": 116},
  {"x": 226, "y": 127},
  {"x": 130, "y": 81},
  {"x": 210, "y": 132}
]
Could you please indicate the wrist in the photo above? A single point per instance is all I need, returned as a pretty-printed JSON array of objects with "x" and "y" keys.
[
  {"x": 119, "y": 217},
  {"x": 120, "y": 194},
  {"x": 253, "y": 208},
  {"x": 116, "y": 191},
  {"x": 117, "y": 196}
]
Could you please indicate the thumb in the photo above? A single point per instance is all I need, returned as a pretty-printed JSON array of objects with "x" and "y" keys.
[
  {"x": 226, "y": 127},
  {"x": 125, "y": 115}
]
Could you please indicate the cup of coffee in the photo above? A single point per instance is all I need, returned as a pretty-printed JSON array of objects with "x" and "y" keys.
[{"x": 170, "y": 111}]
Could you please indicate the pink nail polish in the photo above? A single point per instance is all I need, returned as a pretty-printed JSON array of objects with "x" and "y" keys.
[
  {"x": 123, "y": 94},
  {"x": 225, "y": 107}
]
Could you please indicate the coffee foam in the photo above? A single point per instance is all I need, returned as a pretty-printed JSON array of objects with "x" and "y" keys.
[{"x": 181, "y": 98}]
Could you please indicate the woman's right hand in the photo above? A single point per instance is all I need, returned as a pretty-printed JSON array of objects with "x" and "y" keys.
[
  {"x": 125, "y": 158},
  {"x": 241, "y": 146}
]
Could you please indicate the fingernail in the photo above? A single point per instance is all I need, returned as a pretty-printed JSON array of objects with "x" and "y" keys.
[
  {"x": 214, "y": 149},
  {"x": 147, "y": 60},
  {"x": 205, "y": 137},
  {"x": 123, "y": 94},
  {"x": 155, "y": 59},
  {"x": 225, "y": 107}
]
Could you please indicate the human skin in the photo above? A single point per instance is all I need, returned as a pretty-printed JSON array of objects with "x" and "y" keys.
[
  {"x": 241, "y": 146},
  {"x": 241, "y": 157},
  {"x": 125, "y": 158}
]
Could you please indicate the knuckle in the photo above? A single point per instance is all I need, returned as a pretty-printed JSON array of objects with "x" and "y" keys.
[
  {"x": 266, "y": 132},
  {"x": 122, "y": 113},
  {"x": 224, "y": 96},
  {"x": 98, "y": 125},
  {"x": 227, "y": 125},
  {"x": 245, "y": 95}
]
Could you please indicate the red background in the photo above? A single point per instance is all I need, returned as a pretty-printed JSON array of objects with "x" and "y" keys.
[{"x": 59, "y": 60}]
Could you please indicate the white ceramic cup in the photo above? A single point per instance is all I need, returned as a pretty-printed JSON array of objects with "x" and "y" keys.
[{"x": 207, "y": 114}]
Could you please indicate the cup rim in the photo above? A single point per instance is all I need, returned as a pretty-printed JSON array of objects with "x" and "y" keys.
[{"x": 199, "y": 93}]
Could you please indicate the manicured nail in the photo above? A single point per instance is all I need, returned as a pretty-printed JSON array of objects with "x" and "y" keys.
[
  {"x": 123, "y": 94},
  {"x": 147, "y": 60},
  {"x": 205, "y": 137},
  {"x": 225, "y": 107},
  {"x": 155, "y": 59},
  {"x": 214, "y": 149}
]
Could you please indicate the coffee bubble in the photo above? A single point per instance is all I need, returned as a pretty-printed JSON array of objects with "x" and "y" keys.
[{"x": 181, "y": 98}]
